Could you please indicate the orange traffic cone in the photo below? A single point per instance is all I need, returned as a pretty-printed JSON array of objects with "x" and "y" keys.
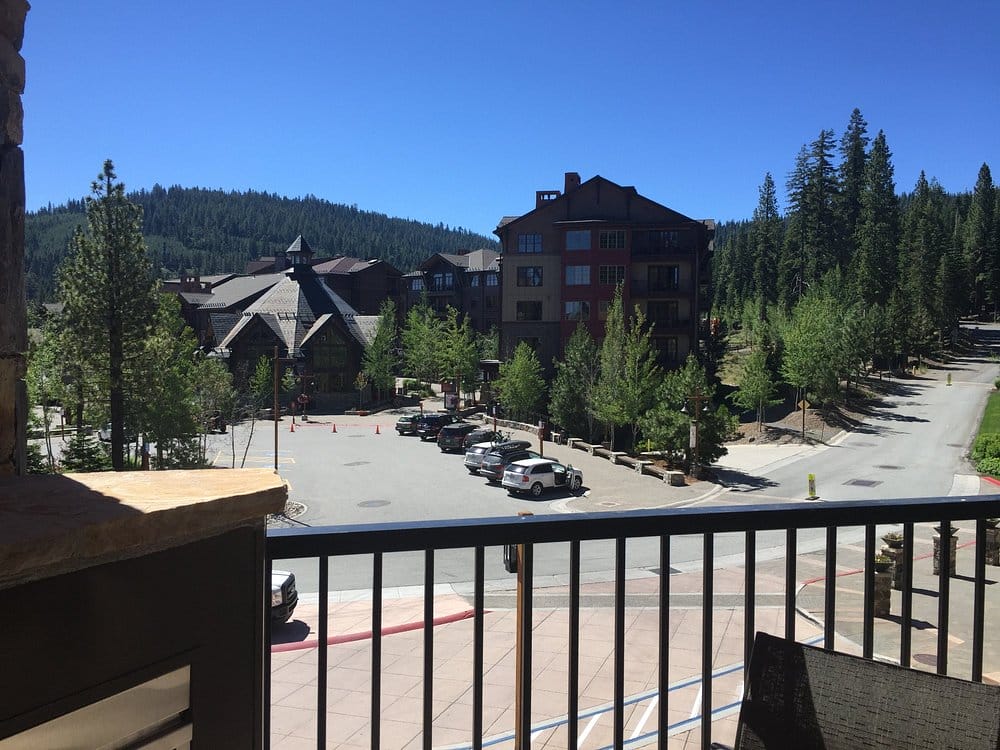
[
  {"x": 376, "y": 430},
  {"x": 334, "y": 430},
  {"x": 292, "y": 428}
]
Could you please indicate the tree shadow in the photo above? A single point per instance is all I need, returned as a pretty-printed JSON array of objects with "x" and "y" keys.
[{"x": 738, "y": 481}]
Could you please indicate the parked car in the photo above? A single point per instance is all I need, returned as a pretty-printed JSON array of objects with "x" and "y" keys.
[
  {"x": 535, "y": 475},
  {"x": 484, "y": 435},
  {"x": 474, "y": 454},
  {"x": 497, "y": 459},
  {"x": 284, "y": 596},
  {"x": 407, "y": 424},
  {"x": 452, "y": 436},
  {"x": 430, "y": 425}
]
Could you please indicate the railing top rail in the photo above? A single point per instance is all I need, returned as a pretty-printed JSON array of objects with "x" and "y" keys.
[{"x": 472, "y": 532}]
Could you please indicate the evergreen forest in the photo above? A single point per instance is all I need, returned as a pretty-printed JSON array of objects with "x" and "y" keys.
[{"x": 215, "y": 231}]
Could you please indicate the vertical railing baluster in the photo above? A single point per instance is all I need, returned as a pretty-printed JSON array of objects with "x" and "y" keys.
[
  {"x": 324, "y": 645},
  {"x": 619, "y": 680},
  {"x": 868, "y": 613},
  {"x": 906, "y": 617},
  {"x": 944, "y": 594},
  {"x": 428, "y": 714},
  {"x": 573, "y": 657},
  {"x": 791, "y": 547},
  {"x": 707, "y": 587},
  {"x": 266, "y": 698},
  {"x": 663, "y": 679},
  {"x": 830, "y": 589},
  {"x": 478, "y": 605},
  {"x": 749, "y": 598},
  {"x": 527, "y": 566},
  {"x": 376, "y": 707},
  {"x": 979, "y": 602}
]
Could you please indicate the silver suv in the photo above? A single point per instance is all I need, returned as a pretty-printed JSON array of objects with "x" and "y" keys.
[{"x": 535, "y": 475}]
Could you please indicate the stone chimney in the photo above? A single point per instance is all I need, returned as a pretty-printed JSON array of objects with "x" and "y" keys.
[{"x": 572, "y": 182}]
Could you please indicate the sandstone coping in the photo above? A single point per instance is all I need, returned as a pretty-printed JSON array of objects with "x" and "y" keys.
[{"x": 56, "y": 524}]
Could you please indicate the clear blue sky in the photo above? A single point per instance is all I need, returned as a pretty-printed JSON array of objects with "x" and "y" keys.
[{"x": 458, "y": 111}]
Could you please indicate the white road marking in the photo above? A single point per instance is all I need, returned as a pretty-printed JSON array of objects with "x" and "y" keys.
[
  {"x": 696, "y": 708},
  {"x": 586, "y": 731},
  {"x": 645, "y": 717}
]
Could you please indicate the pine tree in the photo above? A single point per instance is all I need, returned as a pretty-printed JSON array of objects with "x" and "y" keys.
[
  {"x": 606, "y": 405},
  {"x": 459, "y": 350},
  {"x": 766, "y": 234},
  {"x": 573, "y": 386},
  {"x": 853, "y": 157},
  {"x": 109, "y": 294},
  {"x": 520, "y": 385},
  {"x": 641, "y": 375},
  {"x": 421, "y": 342},
  {"x": 757, "y": 387},
  {"x": 878, "y": 229},
  {"x": 379, "y": 359},
  {"x": 980, "y": 251}
]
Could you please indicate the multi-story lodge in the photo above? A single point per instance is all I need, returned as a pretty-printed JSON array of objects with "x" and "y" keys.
[
  {"x": 466, "y": 281},
  {"x": 562, "y": 261}
]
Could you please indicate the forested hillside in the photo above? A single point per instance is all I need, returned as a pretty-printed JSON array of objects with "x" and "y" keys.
[{"x": 213, "y": 231}]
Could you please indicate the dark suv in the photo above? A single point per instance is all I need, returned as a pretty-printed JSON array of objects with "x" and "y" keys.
[
  {"x": 452, "y": 436},
  {"x": 430, "y": 425},
  {"x": 483, "y": 435},
  {"x": 497, "y": 459}
]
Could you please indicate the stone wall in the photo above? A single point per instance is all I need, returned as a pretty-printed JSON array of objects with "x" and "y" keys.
[{"x": 13, "y": 317}]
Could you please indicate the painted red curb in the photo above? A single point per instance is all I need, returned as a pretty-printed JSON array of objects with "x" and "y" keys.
[
  {"x": 817, "y": 579},
  {"x": 333, "y": 640},
  {"x": 991, "y": 480}
]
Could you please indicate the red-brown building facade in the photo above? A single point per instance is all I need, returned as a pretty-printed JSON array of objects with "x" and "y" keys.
[{"x": 562, "y": 260}]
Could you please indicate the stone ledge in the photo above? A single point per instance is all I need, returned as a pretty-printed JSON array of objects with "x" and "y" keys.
[{"x": 51, "y": 525}]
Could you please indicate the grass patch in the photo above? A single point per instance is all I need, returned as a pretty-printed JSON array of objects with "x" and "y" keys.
[{"x": 991, "y": 415}]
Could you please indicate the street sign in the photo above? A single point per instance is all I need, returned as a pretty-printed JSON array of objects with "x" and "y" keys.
[{"x": 803, "y": 404}]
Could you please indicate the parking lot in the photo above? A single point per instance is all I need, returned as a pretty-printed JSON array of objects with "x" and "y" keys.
[{"x": 355, "y": 469}]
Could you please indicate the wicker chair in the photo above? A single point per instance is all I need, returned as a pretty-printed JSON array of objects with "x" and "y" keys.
[{"x": 811, "y": 699}]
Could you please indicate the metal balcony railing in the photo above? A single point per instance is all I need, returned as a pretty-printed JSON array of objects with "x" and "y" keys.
[{"x": 852, "y": 520}]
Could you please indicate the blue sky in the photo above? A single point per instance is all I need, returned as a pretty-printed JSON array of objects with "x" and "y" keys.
[{"x": 457, "y": 112}]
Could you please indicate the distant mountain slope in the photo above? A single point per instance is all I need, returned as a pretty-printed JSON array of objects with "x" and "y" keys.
[{"x": 214, "y": 231}]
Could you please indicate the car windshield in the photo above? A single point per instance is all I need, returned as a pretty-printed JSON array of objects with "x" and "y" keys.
[{"x": 477, "y": 449}]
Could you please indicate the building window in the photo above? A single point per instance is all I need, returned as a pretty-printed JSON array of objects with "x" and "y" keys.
[
  {"x": 491, "y": 302},
  {"x": 664, "y": 278},
  {"x": 492, "y": 279},
  {"x": 612, "y": 239},
  {"x": 529, "y": 243},
  {"x": 529, "y": 310},
  {"x": 474, "y": 280},
  {"x": 602, "y": 309},
  {"x": 417, "y": 284},
  {"x": 576, "y": 310},
  {"x": 578, "y": 239},
  {"x": 577, "y": 275},
  {"x": 655, "y": 241},
  {"x": 612, "y": 274},
  {"x": 442, "y": 282},
  {"x": 529, "y": 276},
  {"x": 663, "y": 313},
  {"x": 666, "y": 348}
]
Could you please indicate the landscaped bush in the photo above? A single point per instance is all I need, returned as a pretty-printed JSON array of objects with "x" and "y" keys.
[
  {"x": 990, "y": 466},
  {"x": 987, "y": 446}
]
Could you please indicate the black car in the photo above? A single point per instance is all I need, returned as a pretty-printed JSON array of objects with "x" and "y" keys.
[
  {"x": 430, "y": 425},
  {"x": 483, "y": 435},
  {"x": 497, "y": 459},
  {"x": 452, "y": 436}
]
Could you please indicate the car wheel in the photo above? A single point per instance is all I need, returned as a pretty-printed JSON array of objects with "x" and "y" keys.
[
  {"x": 575, "y": 483},
  {"x": 536, "y": 489}
]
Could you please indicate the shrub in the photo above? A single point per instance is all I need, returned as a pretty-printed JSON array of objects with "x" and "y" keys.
[
  {"x": 996, "y": 384},
  {"x": 84, "y": 453},
  {"x": 987, "y": 445},
  {"x": 990, "y": 466}
]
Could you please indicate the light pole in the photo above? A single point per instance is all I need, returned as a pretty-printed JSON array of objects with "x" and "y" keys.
[
  {"x": 698, "y": 397},
  {"x": 276, "y": 413}
]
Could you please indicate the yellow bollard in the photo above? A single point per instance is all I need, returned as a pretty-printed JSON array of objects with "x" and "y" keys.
[
  {"x": 949, "y": 378},
  {"x": 812, "y": 487}
]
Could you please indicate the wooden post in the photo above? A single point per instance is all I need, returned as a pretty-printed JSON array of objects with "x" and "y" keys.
[{"x": 13, "y": 309}]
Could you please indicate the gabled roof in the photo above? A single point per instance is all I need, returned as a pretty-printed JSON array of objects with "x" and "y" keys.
[
  {"x": 297, "y": 306},
  {"x": 676, "y": 216},
  {"x": 483, "y": 260},
  {"x": 195, "y": 298},
  {"x": 476, "y": 260},
  {"x": 240, "y": 289}
]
